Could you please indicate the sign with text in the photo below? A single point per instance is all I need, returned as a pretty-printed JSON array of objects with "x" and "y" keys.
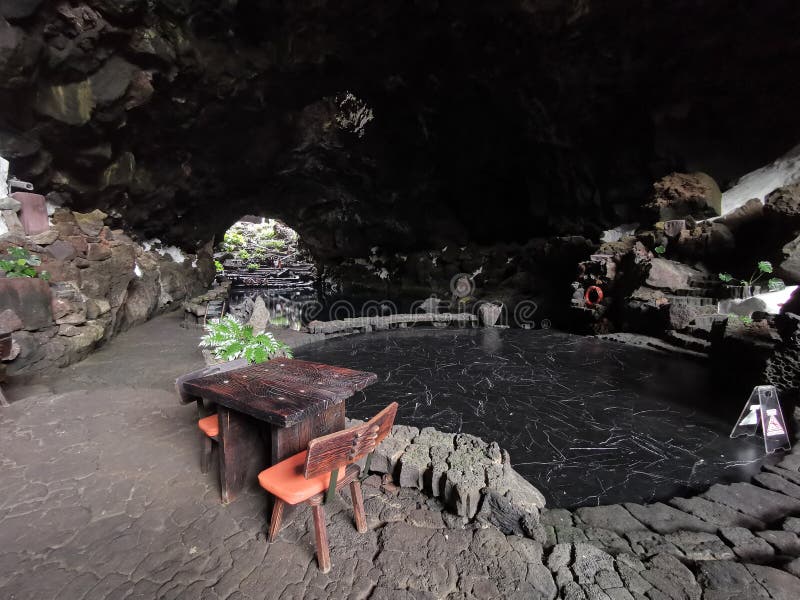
[{"x": 764, "y": 408}]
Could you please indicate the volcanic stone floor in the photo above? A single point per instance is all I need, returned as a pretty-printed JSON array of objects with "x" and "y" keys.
[
  {"x": 586, "y": 421},
  {"x": 102, "y": 498}
]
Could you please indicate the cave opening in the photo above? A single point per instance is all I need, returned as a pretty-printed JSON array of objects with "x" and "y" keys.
[
  {"x": 563, "y": 236},
  {"x": 269, "y": 273}
]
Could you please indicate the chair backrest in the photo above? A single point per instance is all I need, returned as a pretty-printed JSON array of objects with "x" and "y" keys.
[{"x": 342, "y": 448}]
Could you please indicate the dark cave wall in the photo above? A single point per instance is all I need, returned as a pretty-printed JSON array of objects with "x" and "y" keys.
[{"x": 494, "y": 121}]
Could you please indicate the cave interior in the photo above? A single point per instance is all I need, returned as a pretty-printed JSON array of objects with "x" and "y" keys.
[{"x": 600, "y": 168}]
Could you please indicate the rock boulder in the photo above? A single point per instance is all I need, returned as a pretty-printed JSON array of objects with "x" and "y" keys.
[
  {"x": 782, "y": 206},
  {"x": 789, "y": 268},
  {"x": 29, "y": 299},
  {"x": 680, "y": 195},
  {"x": 670, "y": 275}
]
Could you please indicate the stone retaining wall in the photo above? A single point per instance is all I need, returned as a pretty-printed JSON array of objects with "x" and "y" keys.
[
  {"x": 472, "y": 478},
  {"x": 363, "y": 324},
  {"x": 102, "y": 282}
]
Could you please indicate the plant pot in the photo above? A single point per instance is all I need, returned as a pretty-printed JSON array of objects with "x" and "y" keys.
[{"x": 741, "y": 292}]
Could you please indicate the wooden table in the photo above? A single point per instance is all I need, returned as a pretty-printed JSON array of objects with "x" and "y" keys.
[{"x": 270, "y": 411}]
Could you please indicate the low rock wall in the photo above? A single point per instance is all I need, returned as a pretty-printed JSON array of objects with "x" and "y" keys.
[
  {"x": 101, "y": 282},
  {"x": 472, "y": 478},
  {"x": 362, "y": 324}
]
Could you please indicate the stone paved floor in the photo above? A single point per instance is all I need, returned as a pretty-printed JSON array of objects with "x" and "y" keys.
[{"x": 103, "y": 498}]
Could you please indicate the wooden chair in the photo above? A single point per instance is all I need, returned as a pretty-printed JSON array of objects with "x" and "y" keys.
[
  {"x": 306, "y": 476},
  {"x": 209, "y": 425}
]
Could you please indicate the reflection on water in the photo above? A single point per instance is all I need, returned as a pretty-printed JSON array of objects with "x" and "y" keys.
[
  {"x": 296, "y": 307},
  {"x": 289, "y": 308}
]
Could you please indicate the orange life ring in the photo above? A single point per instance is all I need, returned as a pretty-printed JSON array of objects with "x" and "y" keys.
[{"x": 598, "y": 292}]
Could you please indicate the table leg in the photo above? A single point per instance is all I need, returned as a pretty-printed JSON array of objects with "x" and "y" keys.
[
  {"x": 239, "y": 446},
  {"x": 287, "y": 441}
]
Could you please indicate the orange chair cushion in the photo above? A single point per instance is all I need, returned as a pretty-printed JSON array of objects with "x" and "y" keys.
[
  {"x": 286, "y": 481},
  {"x": 209, "y": 425}
]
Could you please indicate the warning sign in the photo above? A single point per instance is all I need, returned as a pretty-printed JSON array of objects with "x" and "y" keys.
[
  {"x": 764, "y": 407},
  {"x": 774, "y": 427},
  {"x": 752, "y": 417}
]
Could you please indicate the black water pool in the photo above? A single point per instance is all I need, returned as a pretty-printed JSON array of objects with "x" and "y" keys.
[{"x": 586, "y": 421}]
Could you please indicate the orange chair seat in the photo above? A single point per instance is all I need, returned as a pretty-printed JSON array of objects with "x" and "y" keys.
[
  {"x": 209, "y": 425},
  {"x": 286, "y": 480}
]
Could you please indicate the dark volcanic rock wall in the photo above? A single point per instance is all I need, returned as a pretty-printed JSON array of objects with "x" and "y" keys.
[{"x": 493, "y": 121}]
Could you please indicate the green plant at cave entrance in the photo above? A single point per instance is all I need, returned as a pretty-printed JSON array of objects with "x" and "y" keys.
[
  {"x": 233, "y": 241},
  {"x": 227, "y": 339},
  {"x": 763, "y": 268},
  {"x": 18, "y": 262},
  {"x": 266, "y": 242}
]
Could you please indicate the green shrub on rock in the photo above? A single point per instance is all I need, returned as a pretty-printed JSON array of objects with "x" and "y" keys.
[
  {"x": 228, "y": 340},
  {"x": 18, "y": 262}
]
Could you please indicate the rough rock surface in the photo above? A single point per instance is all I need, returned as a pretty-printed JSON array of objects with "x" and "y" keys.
[
  {"x": 166, "y": 81},
  {"x": 789, "y": 268},
  {"x": 681, "y": 195},
  {"x": 109, "y": 502},
  {"x": 783, "y": 366},
  {"x": 465, "y": 472},
  {"x": 671, "y": 275},
  {"x": 102, "y": 282},
  {"x": 782, "y": 206},
  {"x": 259, "y": 319}
]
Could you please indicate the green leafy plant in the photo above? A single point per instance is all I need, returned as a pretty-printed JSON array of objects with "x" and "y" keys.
[
  {"x": 252, "y": 266},
  {"x": 233, "y": 241},
  {"x": 265, "y": 232},
  {"x": 746, "y": 319},
  {"x": 660, "y": 249},
  {"x": 218, "y": 266},
  {"x": 228, "y": 340},
  {"x": 275, "y": 244},
  {"x": 18, "y": 262},
  {"x": 243, "y": 255},
  {"x": 763, "y": 268}
]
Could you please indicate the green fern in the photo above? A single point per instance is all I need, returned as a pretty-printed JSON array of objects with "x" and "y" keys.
[{"x": 228, "y": 340}]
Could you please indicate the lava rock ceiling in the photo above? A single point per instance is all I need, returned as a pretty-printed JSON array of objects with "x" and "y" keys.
[{"x": 494, "y": 121}]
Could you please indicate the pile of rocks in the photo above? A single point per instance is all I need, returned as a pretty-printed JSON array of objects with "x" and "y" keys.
[
  {"x": 207, "y": 305},
  {"x": 473, "y": 478},
  {"x": 662, "y": 281},
  {"x": 101, "y": 282}
]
